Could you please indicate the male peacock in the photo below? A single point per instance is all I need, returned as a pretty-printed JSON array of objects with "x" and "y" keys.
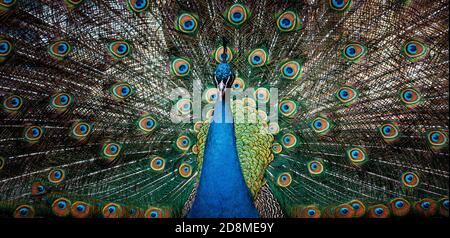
[{"x": 344, "y": 113}]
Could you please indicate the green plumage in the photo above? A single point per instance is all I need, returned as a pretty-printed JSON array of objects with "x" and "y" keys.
[{"x": 155, "y": 41}]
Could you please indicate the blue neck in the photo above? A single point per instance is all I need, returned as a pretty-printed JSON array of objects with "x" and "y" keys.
[{"x": 222, "y": 192}]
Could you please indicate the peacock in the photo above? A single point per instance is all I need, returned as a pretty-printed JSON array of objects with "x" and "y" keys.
[{"x": 224, "y": 108}]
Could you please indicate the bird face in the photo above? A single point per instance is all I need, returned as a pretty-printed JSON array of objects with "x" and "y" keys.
[{"x": 223, "y": 77}]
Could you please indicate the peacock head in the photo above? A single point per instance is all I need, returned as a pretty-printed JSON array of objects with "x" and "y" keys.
[{"x": 223, "y": 76}]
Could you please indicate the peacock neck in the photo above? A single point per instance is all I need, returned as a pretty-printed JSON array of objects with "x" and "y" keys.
[{"x": 222, "y": 191}]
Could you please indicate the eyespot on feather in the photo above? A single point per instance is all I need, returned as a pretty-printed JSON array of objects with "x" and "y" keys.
[
  {"x": 340, "y": 5},
  {"x": 24, "y": 211},
  {"x": 237, "y": 14},
  {"x": 284, "y": 179},
  {"x": 288, "y": 21},
  {"x": 138, "y": 6},
  {"x": 353, "y": 51},
  {"x": 187, "y": 23},
  {"x": 6, "y": 48},
  {"x": 61, "y": 207},
  {"x": 13, "y": 103}
]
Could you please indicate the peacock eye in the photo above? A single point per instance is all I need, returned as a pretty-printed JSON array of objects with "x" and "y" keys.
[
  {"x": 358, "y": 208},
  {"x": 220, "y": 55},
  {"x": 291, "y": 70},
  {"x": 13, "y": 103},
  {"x": 389, "y": 132},
  {"x": 262, "y": 95},
  {"x": 414, "y": 50},
  {"x": 400, "y": 207},
  {"x": 410, "y": 97},
  {"x": 24, "y": 211},
  {"x": 33, "y": 133},
  {"x": 61, "y": 101},
  {"x": 138, "y": 5},
  {"x": 285, "y": 23},
  {"x": 284, "y": 179},
  {"x": 183, "y": 143},
  {"x": 6, "y": 49},
  {"x": 321, "y": 125},
  {"x": 437, "y": 138},
  {"x": 425, "y": 205},
  {"x": 344, "y": 211},
  {"x": 81, "y": 209},
  {"x": 157, "y": 164},
  {"x": 237, "y": 15},
  {"x": 183, "y": 68},
  {"x": 276, "y": 148},
  {"x": 184, "y": 106},
  {"x": 238, "y": 85},
  {"x": 353, "y": 52},
  {"x": 315, "y": 167},
  {"x": 61, "y": 207},
  {"x": 288, "y": 22},
  {"x": 287, "y": 108},
  {"x": 180, "y": 67},
  {"x": 210, "y": 95},
  {"x": 80, "y": 130},
  {"x": 147, "y": 124},
  {"x": 37, "y": 188},
  {"x": 410, "y": 179},
  {"x": 121, "y": 90},
  {"x": 257, "y": 57},
  {"x": 110, "y": 151},
  {"x": 347, "y": 95},
  {"x": 119, "y": 49},
  {"x": 289, "y": 140},
  {"x": 112, "y": 210},
  {"x": 378, "y": 211},
  {"x": 59, "y": 49},
  {"x": 357, "y": 155},
  {"x": 5, "y": 46},
  {"x": 187, "y": 23},
  {"x": 274, "y": 128},
  {"x": 311, "y": 212},
  {"x": 340, "y": 5},
  {"x": 185, "y": 170},
  {"x": 7, "y": 4},
  {"x": 153, "y": 212},
  {"x": 56, "y": 175}
]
